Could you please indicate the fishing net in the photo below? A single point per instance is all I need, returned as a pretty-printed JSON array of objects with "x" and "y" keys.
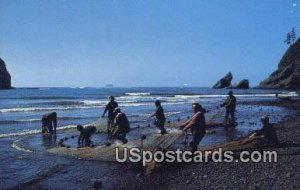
[{"x": 108, "y": 153}]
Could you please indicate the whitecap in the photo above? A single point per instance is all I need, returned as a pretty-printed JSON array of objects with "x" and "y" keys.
[
  {"x": 137, "y": 93},
  {"x": 34, "y": 131}
]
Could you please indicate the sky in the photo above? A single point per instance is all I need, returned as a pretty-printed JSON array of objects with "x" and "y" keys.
[{"x": 132, "y": 43}]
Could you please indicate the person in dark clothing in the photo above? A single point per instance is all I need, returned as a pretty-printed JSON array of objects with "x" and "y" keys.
[
  {"x": 159, "y": 117},
  {"x": 121, "y": 126},
  {"x": 268, "y": 131},
  {"x": 49, "y": 123},
  {"x": 110, "y": 109},
  {"x": 230, "y": 105},
  {"x": 85, "y": 134},
  {"x": 197, "y": 125}
]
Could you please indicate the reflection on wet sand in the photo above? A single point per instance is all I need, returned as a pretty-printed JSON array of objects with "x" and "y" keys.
[{"x": 49, "y": 140}]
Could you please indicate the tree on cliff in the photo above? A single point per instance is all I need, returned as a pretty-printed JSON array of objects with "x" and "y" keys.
[
  {"x": 290, "y": 37},
  {"x": 293, "y": 36},
  {"x": 287, "y": 74}
]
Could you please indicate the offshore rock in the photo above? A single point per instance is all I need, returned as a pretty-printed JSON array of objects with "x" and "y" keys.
[
  {"x": 224, "y": 82},
  {"x": 5, "y": 79},
  {"x": 243, "y": 84}
]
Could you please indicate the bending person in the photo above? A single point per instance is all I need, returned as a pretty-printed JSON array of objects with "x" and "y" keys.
[
  {"x": 268, "y": 132},
  {"x": 197, "y": 125},
  {"x": 112, "y": 104},
  {"x": 159, "y": 117},
  {"x": 85, "y": 134},
  {"x": 121, "y": 126},
  {"x": 49, "y": 123}
]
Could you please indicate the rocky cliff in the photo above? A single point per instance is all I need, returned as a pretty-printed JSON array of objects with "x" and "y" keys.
[
  {"x": 287, "y": 76},
  {"x": 224, "y": 82},
  {"x": 5, "y": 79}
]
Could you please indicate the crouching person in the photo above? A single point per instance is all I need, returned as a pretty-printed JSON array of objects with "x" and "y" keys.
[
  {"x": 85, "y": 135},
  {"x": 268, "y": 132},
  {"x": 49, "y": 123},
  {"x": 197, "y": 125},
  {"x": 121, "y": 126}
]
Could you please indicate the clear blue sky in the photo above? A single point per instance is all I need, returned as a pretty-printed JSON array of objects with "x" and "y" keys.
[{"x": 143, "y": 43}]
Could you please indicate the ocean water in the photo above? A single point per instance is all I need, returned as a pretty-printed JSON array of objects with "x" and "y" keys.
[{"x": 21, "y": 111}]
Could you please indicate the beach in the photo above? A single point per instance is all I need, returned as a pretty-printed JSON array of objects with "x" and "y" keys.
[
  {"x": 281, "y": 175},
  {"x": 149, "y": 95},
  {"x": 36, "y": 167}
]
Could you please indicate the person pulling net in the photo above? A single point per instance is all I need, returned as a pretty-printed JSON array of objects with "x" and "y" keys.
[{"x": 120, "y": 126}]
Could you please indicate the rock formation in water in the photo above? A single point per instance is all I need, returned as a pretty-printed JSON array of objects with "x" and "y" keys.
[
  {"x": 5, "y": 79},
  {"x": 224, "y": 82},
  {"x": 287, "y": 76},
  {"x": 243, "y": 84}
]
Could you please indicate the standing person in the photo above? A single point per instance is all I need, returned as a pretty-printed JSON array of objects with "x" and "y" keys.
[
  {"x": 121, "y": 126},
  {"x": 268, "y": 131},
  {"x": 48, "y": 122},
  {"x": 160, "y": 118},
  {"x": 230, "y": 105},
  {"x": 112, "y": 104},
  {"x": 197, "y": 125}
]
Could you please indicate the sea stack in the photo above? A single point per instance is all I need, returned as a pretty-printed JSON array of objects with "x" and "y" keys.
[
  {"x": 287, "y": 76},
  {"x": 224, "y": 82},
  {"x": 243, "y": 84},
  {"x": 5, "y": 79}
]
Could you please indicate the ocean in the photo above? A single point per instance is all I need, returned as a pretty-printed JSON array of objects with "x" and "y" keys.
[{"x": 21, "y": 110}]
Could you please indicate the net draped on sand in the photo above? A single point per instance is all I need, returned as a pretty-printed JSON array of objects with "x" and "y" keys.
[{"x": 108, "y": 153}]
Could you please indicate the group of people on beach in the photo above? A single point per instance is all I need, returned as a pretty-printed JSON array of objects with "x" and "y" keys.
[{"x": 118, "y": 125}]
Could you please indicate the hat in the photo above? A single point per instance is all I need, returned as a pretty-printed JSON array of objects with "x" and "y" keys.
[
  {"x": 117, "y": 109},
  {"x": 264, "y": 118},
  {"x": 157, "y": 102},
  {"x": 198, "y": 107},
  {"x": 79, "y": 127}
]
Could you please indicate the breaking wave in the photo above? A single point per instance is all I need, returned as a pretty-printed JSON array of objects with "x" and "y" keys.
[
  {"x": 289, "y": 94},
  {"x": 82, "y": 102},
  {"x": 137, "y": 94},
  {"x": 38, "y": 120},
  {"x": 134, "y": 100},
  {"x": 35, "y": 131},
  {"x": 33, "y": 109},
  {"x": 18, "y": 147}
]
